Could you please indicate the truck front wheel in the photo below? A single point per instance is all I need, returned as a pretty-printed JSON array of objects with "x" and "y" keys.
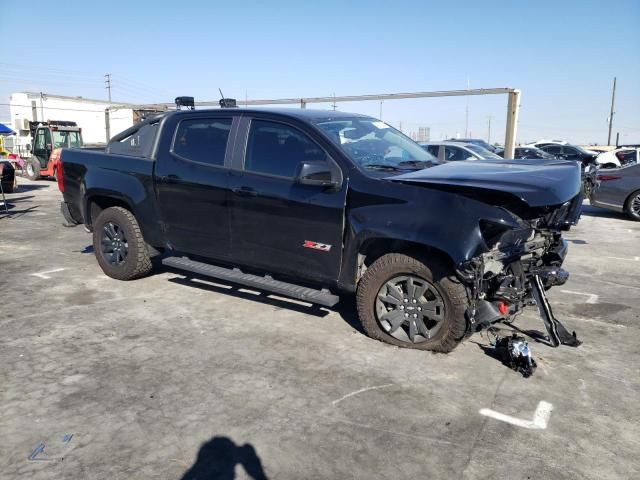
[
  {"x": 119, "y": 246},
  {"x": 32, "y": 168},
  {"x": 410, "y": 303}
]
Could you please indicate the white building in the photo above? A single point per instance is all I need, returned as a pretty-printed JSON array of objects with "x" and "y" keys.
[{"x": 87, "y": 113}]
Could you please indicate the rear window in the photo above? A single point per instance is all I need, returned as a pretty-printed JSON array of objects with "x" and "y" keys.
[{"x": 138, "y": 144}]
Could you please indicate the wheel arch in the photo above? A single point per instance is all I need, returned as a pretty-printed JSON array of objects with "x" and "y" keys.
[
  {"x": 98, "y": 202},
  {"x": 375, "y": 247}
]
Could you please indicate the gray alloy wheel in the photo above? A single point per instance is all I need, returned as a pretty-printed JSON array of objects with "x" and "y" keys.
[
  {"x": 633, "y": 205},
  {"x": 410, "y": 309}
]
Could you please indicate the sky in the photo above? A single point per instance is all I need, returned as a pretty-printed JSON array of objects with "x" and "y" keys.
[{"x": 562, "y": 55}]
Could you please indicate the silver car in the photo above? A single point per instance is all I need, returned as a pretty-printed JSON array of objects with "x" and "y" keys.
[
  {"x": 454, "y": 151},
  {"x": 618, "y": 189}
]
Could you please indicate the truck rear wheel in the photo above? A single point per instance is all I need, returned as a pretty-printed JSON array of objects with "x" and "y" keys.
[
  {"x": 409, "y": 303},
  {"x": 32, "y": 168},
  {"x": 118, "y": 245}
]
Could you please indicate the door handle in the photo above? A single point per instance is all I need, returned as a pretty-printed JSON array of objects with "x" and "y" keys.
[{"x": 245, "y": 192}]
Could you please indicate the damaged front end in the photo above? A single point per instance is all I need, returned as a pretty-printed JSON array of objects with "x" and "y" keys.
[{"x": 516, "y": 265}]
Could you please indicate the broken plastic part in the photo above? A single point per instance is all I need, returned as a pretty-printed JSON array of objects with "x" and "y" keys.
[{"x": 558, "y": 334}]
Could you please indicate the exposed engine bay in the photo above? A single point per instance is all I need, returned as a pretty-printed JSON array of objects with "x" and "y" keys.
[{"x": 516, "y": 269}]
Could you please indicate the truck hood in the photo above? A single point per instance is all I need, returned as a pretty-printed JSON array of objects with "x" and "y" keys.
[{"x": 536, "y": 182}]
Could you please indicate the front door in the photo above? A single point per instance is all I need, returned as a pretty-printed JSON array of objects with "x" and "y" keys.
[
  {"x": 192, "y": 181},
  {"x": 279, "y": 225},
  {"x": 42, "y": 146}
]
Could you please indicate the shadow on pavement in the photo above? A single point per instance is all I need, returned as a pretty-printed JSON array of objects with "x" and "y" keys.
[
  {"x": 590, "y": 211},
  {"x": 217, "y": 459}
]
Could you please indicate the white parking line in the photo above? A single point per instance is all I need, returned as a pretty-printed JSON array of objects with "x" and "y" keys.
[
  {"x": 629, "y": 259},
  {"x": 539, "y": 422},
  {"x": 44, "y": 274},
  {"x": 593, "y": 298}
]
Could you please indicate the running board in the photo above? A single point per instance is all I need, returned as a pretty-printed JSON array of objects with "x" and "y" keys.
[{"x": 321, "y": 297}]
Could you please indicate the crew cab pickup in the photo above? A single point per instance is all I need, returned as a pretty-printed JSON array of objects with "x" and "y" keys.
[{"x": 315, "y": 204}]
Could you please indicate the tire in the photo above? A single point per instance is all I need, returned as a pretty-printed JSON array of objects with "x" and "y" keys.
[
  {"x": 32, "y": 168},
  {"x": 632, "y": 206},
  {"x": 9, "y": 187},
  {"x": 117, "y": 228},
  {"x": 439, "y": 281}
]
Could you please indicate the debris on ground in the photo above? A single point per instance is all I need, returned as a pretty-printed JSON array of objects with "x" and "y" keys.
[{"x": 515, "y": 353}]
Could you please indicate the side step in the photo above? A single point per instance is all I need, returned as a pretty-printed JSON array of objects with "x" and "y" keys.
[{"x": 320, "y": 297}]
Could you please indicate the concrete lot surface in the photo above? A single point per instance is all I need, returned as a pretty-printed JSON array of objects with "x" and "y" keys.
[{"x": 171, "y": 378}]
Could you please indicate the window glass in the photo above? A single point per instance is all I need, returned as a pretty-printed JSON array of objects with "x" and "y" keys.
[
  {"x": 433, "y": 150},
  {"x": 203, "y": 140},
  {"x": 40, "y": 140},
  {"x": 138, "y": 144},
  {"x": 277, "y": 149},
  {"x": 374, "y": 145},
  {"x": 553, "y": 149},
  {"x": 571, "y": 151},
  {"x": 65, "y": 139},
  {"x": 483, "y": 152},
  {"x": 453, "y": 154}
]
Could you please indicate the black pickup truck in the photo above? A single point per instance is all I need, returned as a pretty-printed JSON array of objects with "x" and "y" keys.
[{"x": 311, "y": 204}]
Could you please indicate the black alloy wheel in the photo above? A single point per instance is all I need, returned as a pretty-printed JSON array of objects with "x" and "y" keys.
[{"x": 114, "y": 244}]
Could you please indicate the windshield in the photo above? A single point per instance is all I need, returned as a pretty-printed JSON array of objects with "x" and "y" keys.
[
  {"x": 483, "y": 152},
  {"x": 374, "y": 145},
  {"x": 62, "y": 139}
]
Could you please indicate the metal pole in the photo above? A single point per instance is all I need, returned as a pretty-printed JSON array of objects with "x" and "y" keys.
[
  {"x": 107, "y": 82},
  {"x": 41, "y": 107},
  {"x": 513, "y": 106},
  {"x": 107, "y": 124},
  {"x": 380, "y": 117},
  {"x": 613, "y": 100},
  {"x": 617, "y": 139},
  {"x": 489, "y": 129}
]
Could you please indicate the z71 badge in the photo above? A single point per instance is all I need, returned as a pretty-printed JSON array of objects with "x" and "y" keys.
[{"x": 317, "y": 246}]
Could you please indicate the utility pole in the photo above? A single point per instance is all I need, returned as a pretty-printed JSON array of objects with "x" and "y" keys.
[
  {"x": 466, "y": 113},
  {"x": 107, "y": 82},
  {"x": 613, "y": 100},
  {"x": 334, "y": 106},
  {"x": 489, "y": 117},
  {"x": 380, "y": 110}
]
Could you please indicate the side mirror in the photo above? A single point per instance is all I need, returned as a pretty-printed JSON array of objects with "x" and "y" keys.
[{"x": 320, "y": 174}]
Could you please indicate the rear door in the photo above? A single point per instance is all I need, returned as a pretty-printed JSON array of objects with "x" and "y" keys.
[
  {"x": 192, "y": 183},
  {"x": 277, "y": 224}
]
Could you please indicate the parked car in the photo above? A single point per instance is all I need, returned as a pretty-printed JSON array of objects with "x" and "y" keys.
[
  {"x": 528, "y": 153},
  {"x": 620, "y": 157},
  {"x": 570, "y": 152},
  {"x": 311, "y": 204},
  {"x": 546, "y": 143},
  {"x": 453, "y": 151},
  {"x": 475, "y": 141},
  {"x": 8, "y": 176},
  {"x": 618, "y": 189}
]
